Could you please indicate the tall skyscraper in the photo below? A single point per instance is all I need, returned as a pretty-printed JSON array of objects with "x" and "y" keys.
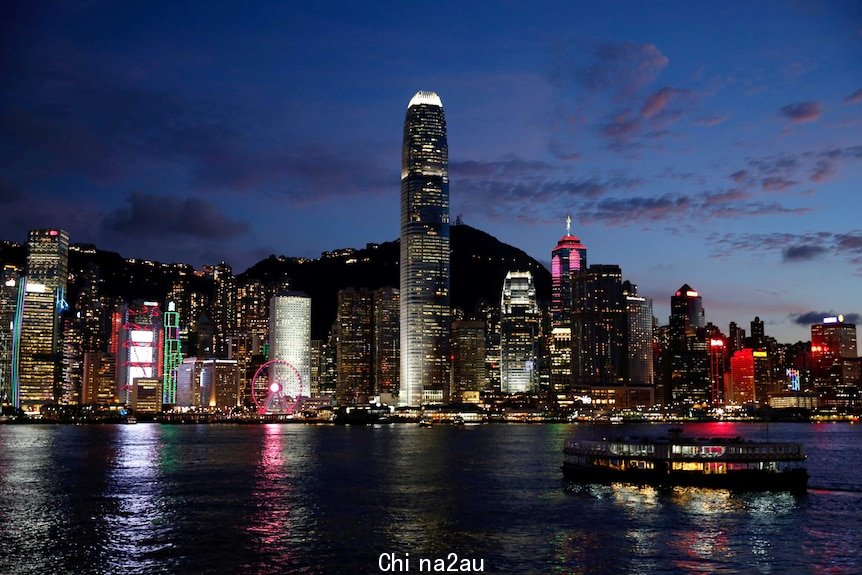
[
  {"x": 689, "y": 350},
  {"x": 640, "y": 337},
  {"x": 39, "y": 342},
  {"x": 140, "y": 345},
  {"x": 424, "y": 261},
  {"x": 833, "y": 342},
  {"x": 9, "y": 284},
  {"x": 386, "y": 341},
  {"x": 354, "y": 346},
  {"x": 290, "y": 340},
  {"x": 600, "y": 325},
  {"x": 568, "y": 257},
  {"x": 468, "y": 359},
  {"x": 520, "y": 326}
]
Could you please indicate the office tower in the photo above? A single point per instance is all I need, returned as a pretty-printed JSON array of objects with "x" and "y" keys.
[
  {"x": 219, "y": 384},
  {"x": 290, "y": 340},
  {"x": 139, "y": 345},
  {"x": 424, "y": 260},
  {"x": 172, "y": 355},
  {"x": 316, "y": 367},
  {"x": 100, "y": 377},
  {"x": 568, "y": 257},
  {"x": 735, "y": 337},
  {"x": 833, "y": 343},
  {"x": 689, "y": 350},
  {"x": 749, "y": 377},
  {"x": 354, "y": 346},
  {"x": 640, "y": 337},
  {"x": 39, "y": 342},
  {"x": 599, "y": 327},
  {"x": 9, "y": 286},
  {"x": 224, "y": 309},
  {"x": 468, "y": 360},
  {"x": 718, "y": 361},
  {"x": 758, "y": 337},
  {"x": 146, "y": 395},
  {"x": 71, "y": 382},
  {"x": 520, "y": 329},
  {"x": 387, "y": 341}
]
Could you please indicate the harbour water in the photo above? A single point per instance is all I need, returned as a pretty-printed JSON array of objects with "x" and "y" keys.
[{"x": 151, "y": 498}]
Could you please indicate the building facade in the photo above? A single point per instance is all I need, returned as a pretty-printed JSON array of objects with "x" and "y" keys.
[
  {"x": 290, "y": 340},
  {"x": 568, "y": 257},
  {"x": 424, "y": 259},
  {"x": 520, "y": 329}
]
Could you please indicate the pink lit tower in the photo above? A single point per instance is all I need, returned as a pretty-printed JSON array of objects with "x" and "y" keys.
[{"x": 567, "y": 258}]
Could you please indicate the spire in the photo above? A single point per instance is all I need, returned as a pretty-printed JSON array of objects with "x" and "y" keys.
[{"x": 568, "y": 225}]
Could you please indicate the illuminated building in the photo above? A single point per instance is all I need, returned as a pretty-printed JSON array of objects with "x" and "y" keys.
[
  {"x": 223, "y": 308},
  {"x": 9, "y": 283},
  {"x": 492, "y": 347},
  {"x": 758, "y": 334},
  {"x": 99, "y": 382},
  {"x": 833, "y": 347},
  {"x": 316, "y": 365},
  {"x": 146, "y": 395},
  {"x": 42, "y": 300},
  {"x": 600, "y": 325},
  {"x": 749, "y": 377},
  {"x": 520, "y": 328},
  {"x": 689, "y": 351},
  {"x": 735, "y": 338},
  {"x": 290, "y": 340},
  {"x": 354, "y": 347},
  {"x": 172, "y": 354},
  {"x": 718, "y": 353},
  {"x": 189, "y": 383},
  {"x": 568, "y": 257},
  {"x": 219, "y": 383},
  {"x": 387, "y": 341},
  {"x": 468, "y": 359},
  {"x": 139, "y": 345},
  {"x": 72, "y": 370},
  {"x": 424, "y": 260},
  {"x": 639, "y": 336}
]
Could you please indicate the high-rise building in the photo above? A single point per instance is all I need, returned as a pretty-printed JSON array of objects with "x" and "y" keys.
[
  {"x": 600, "y": 326},
  {"x": 354, "y": 346},
  {"x": 749, "y": 377},
  {"x": 758, "y": 335},
  {"x": 386, "y": 341},
  {"x": 640, "y": 337},
  {"x": 10, "y": 279},
  {"x": 219, "y": 383},
  {"x": 833, "y": 343},
  {"x": 468, "y": 359},
  {"x": 424, "y": 260},
  {"x": 520, "y": 329},
  {"x": 39, "y": 341},
  {"x": 290, "y": 340},
  {"x": 568, "y": 257},
  {"x": 172, "y": 355},
  {"x": 224, "y": 308},
  {"x": 689, "y": 350},
  {"x": 139, "y": 346}
]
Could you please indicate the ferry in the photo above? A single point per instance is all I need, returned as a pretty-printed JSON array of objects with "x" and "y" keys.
[{"x": 730, "y": 463}]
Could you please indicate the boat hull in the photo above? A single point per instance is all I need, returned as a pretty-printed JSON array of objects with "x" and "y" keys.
[{"x": 743, "y": 480}]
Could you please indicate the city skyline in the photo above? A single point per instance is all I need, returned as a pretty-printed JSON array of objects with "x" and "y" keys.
[{"x": 714, "y": 146}]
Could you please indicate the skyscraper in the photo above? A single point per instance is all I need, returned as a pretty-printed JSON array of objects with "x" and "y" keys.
[
  {"x": 568, "y": 257},
  {"x": 689, "y": 351},
  {"x": 832, "y": 343},
  {"x": 520, "y": 323},
  {"x": 39, "y": 345},
  {"x": 290, "y": 340},
  {"x": 354, "y": 350},
  {"x": 424, "y": 261}
]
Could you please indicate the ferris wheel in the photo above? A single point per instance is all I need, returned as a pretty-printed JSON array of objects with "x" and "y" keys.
[{"x": 276, "y": 387}]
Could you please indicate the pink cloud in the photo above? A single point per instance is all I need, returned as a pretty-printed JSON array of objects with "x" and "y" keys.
[
  {"x": 656, "y": 102},
  {"x": 854, "y": 98},
  {"x": 802, "y": 111}
]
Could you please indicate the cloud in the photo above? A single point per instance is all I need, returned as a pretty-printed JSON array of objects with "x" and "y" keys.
[
  {"x": 622, "y": 68},
  {"x": 709, "y": 121},
  {"x": 802, "y": 253},
  {"x": 854, "y": 98},
  {"x": 158, "y": 217},
  {"x": 802, "y": 111},
  {"x": 656, "y": 102},
  {"x": 776, "y": 184},
  {"x": 813, "y": 317}
]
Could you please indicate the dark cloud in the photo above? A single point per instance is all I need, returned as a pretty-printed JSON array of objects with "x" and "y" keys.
[
  {"x": 812, "y": 317},
  {"x": 802, "y": 111},
  {"x": 794, "y": 247},
  {"x": 854, "y": 98},
  {"x": 802, "y": 253},
  {"x": 158, "y": 217},
  {"x": 622, "y": 68}
]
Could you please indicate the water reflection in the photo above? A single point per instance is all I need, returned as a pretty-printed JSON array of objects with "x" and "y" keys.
[{"x": 141, "y": 528}]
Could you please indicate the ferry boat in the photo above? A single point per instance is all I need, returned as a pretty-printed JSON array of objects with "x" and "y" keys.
[{"x": 731, "y": 463}]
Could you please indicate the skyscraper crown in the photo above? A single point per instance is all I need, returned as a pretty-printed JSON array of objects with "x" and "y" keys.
[{"x": 423, "y": 97}]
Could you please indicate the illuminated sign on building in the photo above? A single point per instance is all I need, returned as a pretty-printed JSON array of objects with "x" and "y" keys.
[
  {"x": 716, "y": 343},
  {"x": 793, "y": 378}
]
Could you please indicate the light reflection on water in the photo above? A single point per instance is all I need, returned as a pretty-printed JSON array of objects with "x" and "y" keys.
[{"x": 304, "y": 499}]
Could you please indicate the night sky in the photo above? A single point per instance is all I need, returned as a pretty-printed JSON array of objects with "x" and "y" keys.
[{"x": 712, "y": 143}]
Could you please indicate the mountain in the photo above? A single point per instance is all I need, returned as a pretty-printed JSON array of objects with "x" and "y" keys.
[{"x": 479, "y": 265}]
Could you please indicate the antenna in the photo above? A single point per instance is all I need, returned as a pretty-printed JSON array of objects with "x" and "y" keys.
[{"x": 568, "y": 225}]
